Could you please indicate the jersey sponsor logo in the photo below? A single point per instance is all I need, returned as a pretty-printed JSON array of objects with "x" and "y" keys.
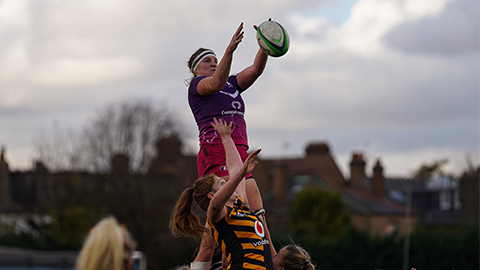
[
  {"x": 234, "y": 95},
  {"x": 241, "y": 214},
  {"x": 261, "y": 243},
  {"x": 231, "y": 112},
  {"x": 259, "y": 229},
  {"x": 236, "y": 105}
]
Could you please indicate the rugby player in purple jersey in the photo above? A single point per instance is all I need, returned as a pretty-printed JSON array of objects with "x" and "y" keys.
[{"x": 214, "y": 93}]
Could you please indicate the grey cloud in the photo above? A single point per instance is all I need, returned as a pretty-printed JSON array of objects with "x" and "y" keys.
[
  {"x": 401, "y": 91},
  {"x": 454, "y": 31}
]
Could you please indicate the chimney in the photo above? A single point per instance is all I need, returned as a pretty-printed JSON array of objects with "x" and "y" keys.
[
  {"x": 120, "y": 164},
  {"x": 280, "y": 185},
  {"x": 4, "y": 178},
  {"x": 43, "y": 186},
  {"x": 378, "y": 180},
  {"x": 169, "y": 149},
  {"x": 40, "y": 167},
  {"x": 318, "y": 149},
  {"x": 358, "y": 178}
]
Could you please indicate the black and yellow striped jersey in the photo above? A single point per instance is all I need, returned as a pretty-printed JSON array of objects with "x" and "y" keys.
[{"x": 241, "y": 237}]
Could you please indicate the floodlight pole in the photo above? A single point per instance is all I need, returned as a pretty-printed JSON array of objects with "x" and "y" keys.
[{"x": 406, "y": 243}]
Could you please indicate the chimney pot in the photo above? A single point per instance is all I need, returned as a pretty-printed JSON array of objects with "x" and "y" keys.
[{"x": 358, "y": 177}]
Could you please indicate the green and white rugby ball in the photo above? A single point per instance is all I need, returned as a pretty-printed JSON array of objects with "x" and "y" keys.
[{"x": 273, "y": 38}]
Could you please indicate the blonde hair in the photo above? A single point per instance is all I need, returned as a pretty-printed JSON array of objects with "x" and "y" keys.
[
  {"x": 108, "y": 246},
  {"x": 183, "y": 221}
]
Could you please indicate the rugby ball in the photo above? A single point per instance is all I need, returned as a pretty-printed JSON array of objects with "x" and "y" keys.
[{"x": 273, "y": 38}]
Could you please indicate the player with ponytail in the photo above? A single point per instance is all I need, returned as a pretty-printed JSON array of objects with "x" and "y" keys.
[{"x": 226, "y": 204}]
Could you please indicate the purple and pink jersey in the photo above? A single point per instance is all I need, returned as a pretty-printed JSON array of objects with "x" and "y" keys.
[{"x": 226, "y": 104}]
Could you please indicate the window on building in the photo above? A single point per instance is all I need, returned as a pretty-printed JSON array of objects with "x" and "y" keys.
[
  {"x": 445, "y": 199},
  {"x": 456, "y": 199}
]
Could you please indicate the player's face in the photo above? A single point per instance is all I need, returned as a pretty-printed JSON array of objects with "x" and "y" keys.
[
  {"x": 278, "y": 258},
  {"x": 219, "y": 182},
  {"x": 207, "y": 66}
]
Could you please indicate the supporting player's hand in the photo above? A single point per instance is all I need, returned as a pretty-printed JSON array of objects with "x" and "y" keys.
[
  {"x": 250, "y": 163},
  {"x": 221, "y": 127}
]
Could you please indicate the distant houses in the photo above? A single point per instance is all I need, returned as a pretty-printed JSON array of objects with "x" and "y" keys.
[
  {"x": 363, "y": 196},
  {"x": 374, "y": 201}
]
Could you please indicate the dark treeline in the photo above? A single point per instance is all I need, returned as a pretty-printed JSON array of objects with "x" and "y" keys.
[
  {"x": 144, "y": 205},
  {"x": 429, "y": 249}
]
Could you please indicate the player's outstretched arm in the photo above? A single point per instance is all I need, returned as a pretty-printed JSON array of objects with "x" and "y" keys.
[
  {"x": 234, "y": 161},
  {"x": 250, "y": 74},
  {"x": 237, "y": 172},
  {"x": 216, "y": 209},
  {"x": 211, "y": 85}
]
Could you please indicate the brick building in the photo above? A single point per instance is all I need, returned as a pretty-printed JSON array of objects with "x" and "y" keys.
[
  {"x": 366, "y": 195},
  {"x": 363, "y": 196}
]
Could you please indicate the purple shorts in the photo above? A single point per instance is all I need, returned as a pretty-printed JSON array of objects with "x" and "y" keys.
[{"x": 211, "y": 159}]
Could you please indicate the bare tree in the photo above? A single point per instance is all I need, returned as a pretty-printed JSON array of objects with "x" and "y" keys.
[
  {"x": 435, "y": 168},
  {"x": 60, "y": 150},
  {"x": 130, "y": 127}
]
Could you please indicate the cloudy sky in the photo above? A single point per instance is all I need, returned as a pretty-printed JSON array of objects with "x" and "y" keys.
[{"x": 394, "y": 79}]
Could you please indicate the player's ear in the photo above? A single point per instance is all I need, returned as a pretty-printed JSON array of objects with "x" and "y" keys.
[{"x": 210, "y": 195}]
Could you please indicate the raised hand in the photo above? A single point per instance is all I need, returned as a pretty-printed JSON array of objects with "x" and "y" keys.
[
  {"x": 221, "y": 127},
  {"x": 256, "y": 27},
  {"x": 250, "y": 163},
  {"x": 236, "y": 39}
]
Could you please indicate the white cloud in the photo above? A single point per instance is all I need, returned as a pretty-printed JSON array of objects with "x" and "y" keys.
[
  {"x": 421, "y": 8},
  {"x": 14, "y": 63},
  {"x": 371, "y": 19},
  {"x": 79, "y": 72},
  {"x": 12, "y": 96},
  {"x": 13, "y": 15},
  {"x": 455, "y": 31}
]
